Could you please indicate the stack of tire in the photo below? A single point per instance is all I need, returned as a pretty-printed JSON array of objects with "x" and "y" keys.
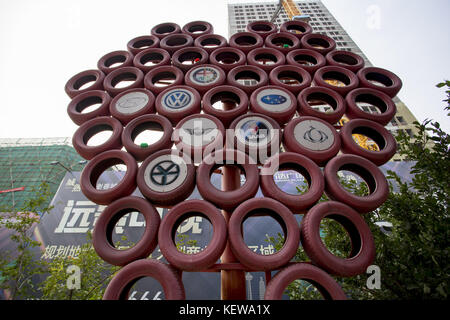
[{"x": 271, "y": 77}]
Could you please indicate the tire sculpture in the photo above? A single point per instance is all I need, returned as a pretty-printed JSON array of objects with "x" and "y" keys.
[{"x": 176, "y": 75}]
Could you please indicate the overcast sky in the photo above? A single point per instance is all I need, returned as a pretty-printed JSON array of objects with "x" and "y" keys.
[{"x": 45, "y": 42}]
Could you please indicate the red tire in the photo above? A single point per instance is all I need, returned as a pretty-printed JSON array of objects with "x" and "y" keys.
[
  {"x": 318, "y": 42},
  {"x": 97, "y": 166},
  {"x": 210, "y": 42},
  {"x": 204, "y": 259},
  {"x": 292, "y": 78},
  {"x": 282, "y": 215},
  {"x": 155, "y": 75},
  {"x": 297, "y": 28},
  {"x": 166, "y": 178},
  {"x": 313, "y": 138},
  {"x": 326, "y": 285},
  {"x": 227, "y": 200},
  {"x": 275, "y": 102},
  {"x": 197, "y": 28},
  {"x": 227, "y": 95},
  {"x": 198, "y": 135},
  {"x": 175, "y": 42},
  {"x": 227, "y": 58},
  {"x": 85, "y": 100},
  {"x": 163, "y": 30},
  {"x": 178, "y": 102},
  {"x": 120, "y": 285},
  {"x": 344, "y": 76},
  {"x": 283, "y": 42},
  {"x": 125, "y": 58},
  {"x": 309, "y": 60},
  {"x": 262, "y": 28},
  {"x": 104, "y": 226},
  {"x": 205, "y": 77},
  {"x": 256, "y": 134},
  {"x": 362, "y": 253},
  {"x": 345, "y": 59},
  {"x": 383, "y": 138},
  {"x": 313, "y": 95},
  {"x": 140, "y": 124},
  {"x": 391, "y": 84},
  {"x": 123, "y": 74},
  {"x": 195, "y": 55},
  {"x": 131, "y": 104},
  {"x": 247, "y": 72},
  {"x": 369, "y": 172},
  {"x": 142, "y": 43},
  {"x": 246, "y": 41},
  {"x": 73, "y": 86},
  {"x": 90, "y": 128},
  {"x": 259, "y": 56},
  {"x": 293, "y": 161},
  {"x": 158, "y": 57},
  {"x": 374, "y": 97}
]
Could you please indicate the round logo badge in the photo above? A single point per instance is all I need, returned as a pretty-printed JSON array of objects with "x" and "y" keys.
[
  {"x": 273, "y": 100},
  {"x": 314, "y": 135},
  {"x": 177, "y": 99},
  {"x": 198, "y": 132},
  {"x": 131, "y": 102},
  {"x": 204, "y": 75},
  {"x": 254, "y": 131},
  {"x": 165, "y": 173}
]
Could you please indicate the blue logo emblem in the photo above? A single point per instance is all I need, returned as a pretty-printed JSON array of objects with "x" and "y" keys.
[
  {"x": 273, "y": 99},
  {"x": 177, "y": 99},
  {"x": 254, "y": 131}
]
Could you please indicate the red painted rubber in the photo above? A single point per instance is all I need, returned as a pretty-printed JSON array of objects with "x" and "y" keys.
[
  {"x": 262, "y": 28},
  {"x": 104, "y": 226},
  {"x": 85, "y": 100},
  {"x": 374, "y": 97},
  {"x": 210, "y": 42},
  {"x": 244, "y": 72},
  {"x": 283, "y": 42},
  {"x": 326, "y": 285},
  {"x": 164, "y": 72},
  {"x": 246, "y": 41},
  {"x": 227, "y": 58},
  {"x": 227, "y": 200},
  {"x": 314, "y": 143},
  {"x": 309, "y": 60},
  {"x": 167, "y": 276},
  {"x": 345, "y": 59},
  {"x": 163, "y": 30},
  {"x": 178, "y": 102},
  {"x": 390, "y": 83},
  {"x": 300, "y": 76},
  {"x": 311, "y": 95},
  {"x": 101, "y": 163},
  {"x": 275, "y": 102},
  {"x": 140, "y": 124},
  {"x": 369, "y": 172},
  {"x": 123, "y": 74},
  {"x": 197, "y": 28},
  {"x": 125, "y": 58},
  {"x": 131, "y": 104},
  {"x": 362, "y": 253},
  {"x": 195, "y": 55},
  {"x": 375, "y": 131},
  {"x": 167, "y": 197},
  {"x": 142, "y": 43},
  {"x": 297, "y": 28},
  {"x": 207, "y": 257},
  {"x": 318, "y": 42},
  {"x": 159, "y": 57},
  {"x": 336, "y": 73},
  {"x": 293, "y": 161},
  {"x": 90, "y": 128},
  {"x": 74, "y": 84},
  {"x": 257, "y": 55},
  {"x": 205, "y": 77},
  {"x": 225, "y": 94},
  {"x": 282, "y": 215},
  {"x": 175, "y": 42}
]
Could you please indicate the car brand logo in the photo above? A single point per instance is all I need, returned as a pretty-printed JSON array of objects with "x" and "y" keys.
[
  {"x": 205, "y": 75},
  {"x": 164, "y": 173},
  {"x": 134, "y": 102},
  {"x": 273, "y": 99},
  {"x": 177, "y": 99},
  {"x": 254, "y": 131},
  {"x": 315, "y": 135},
  {"x": 197, "y": 131}
]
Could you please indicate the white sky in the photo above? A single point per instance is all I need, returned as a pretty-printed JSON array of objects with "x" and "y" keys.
[{"x": 45, "y": 42}]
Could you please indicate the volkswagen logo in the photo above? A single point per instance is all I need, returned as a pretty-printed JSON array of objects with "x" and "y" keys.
[{"x": 177, "y": 99}]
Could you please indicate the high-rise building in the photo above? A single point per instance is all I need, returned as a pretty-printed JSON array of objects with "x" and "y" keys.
[{"x": 323, "y": 22}]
